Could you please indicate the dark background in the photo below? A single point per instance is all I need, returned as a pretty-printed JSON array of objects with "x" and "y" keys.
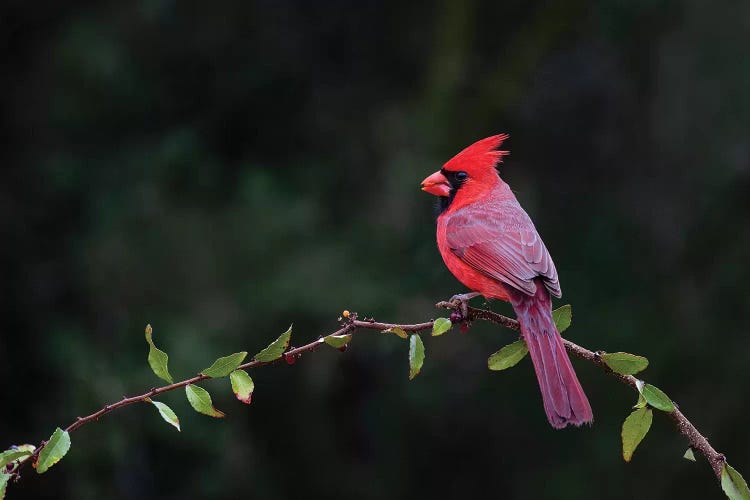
[{"x": 222, "y": 169}]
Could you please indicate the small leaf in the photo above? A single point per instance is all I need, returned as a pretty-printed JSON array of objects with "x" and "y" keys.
[
  {"x": 224, "y": 366},
  {"x": 689, "y": 455},
  {"x": 625, "y": 363},
  {"x": 166, "y": 413},
  {"x": 398, "y": 331},
  {"x": 276, "y": 348},
  {"x": 634, "y": 429},
  {"x": 734, "y": 484},
  {"x": 16, "y": 453},
  {"x": 56, "y": 448},
  {"x": 641, "y": 403},
  {"x": 337, "y": 340},
  {"x": 416, "y": 355},
  {"x": 242, "y": 385},
  {"x": 508, "y": 356},
  {"x": 200, "y": 400},
  {"x": 656, "y": 398},
  {"x": 562, "y": 316},
  {"x": 157, "y": 359},
  {"x": 440, "y": 326},
  {"x": 26, "y": 448}
]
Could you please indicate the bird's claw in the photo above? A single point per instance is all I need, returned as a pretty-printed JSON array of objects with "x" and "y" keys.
[{"x": 460, "y": 302}]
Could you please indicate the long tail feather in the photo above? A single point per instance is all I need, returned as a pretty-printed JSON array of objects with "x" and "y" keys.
[{"x": 564, "y": 400}]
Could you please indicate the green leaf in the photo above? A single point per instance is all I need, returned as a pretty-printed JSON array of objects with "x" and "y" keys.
[
  {"x": 656, "y": 398},
  {"x": 157, "y": 359},
  {"x": 166, "y": 413},
  {"x": 562, "y": 317},
  {"x": 625, "y": 363},
  {"x": 337, "y": 340},
  {"x": 641, "y": 403},
  {"x": 689, "y": 455},
  {"x": 30, "y": 448},
  {"x": 416, "y": 355},
  {"x": 224, "y": 366},
  {"x": 508, "y": 356},
  {"x": 200, "y": 400},
  {"x": 16, "y": 453},
  {"x": 276, "y": 348},
  {"x": 242, "y": 385},
  {"x": 734, "y": 484},
  {"x": 634, "y": 429},
  {"x": 56, "y": 448},
  {"x": 398, "y": 331},
  {"x": 440, "y": 326}
]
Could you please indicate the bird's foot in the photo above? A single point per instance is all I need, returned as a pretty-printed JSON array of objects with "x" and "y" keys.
[{"x": 460, "y": 303}]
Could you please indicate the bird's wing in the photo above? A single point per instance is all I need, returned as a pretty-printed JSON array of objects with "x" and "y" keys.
[{"x": 501, "y": 242}]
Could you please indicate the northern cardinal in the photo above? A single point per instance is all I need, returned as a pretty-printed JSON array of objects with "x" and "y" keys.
[{"x": 490, "y": 244}]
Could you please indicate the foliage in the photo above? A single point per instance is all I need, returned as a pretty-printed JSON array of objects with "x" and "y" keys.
[{"x": 634, "y": 429}]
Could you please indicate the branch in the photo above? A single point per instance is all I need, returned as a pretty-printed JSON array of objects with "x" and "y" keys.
[
  {"x": 697, "y": 441},
  {"x": 351, "y": 324}
]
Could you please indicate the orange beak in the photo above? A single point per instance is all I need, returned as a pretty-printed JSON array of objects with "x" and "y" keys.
[{"x": 437, "y": 184}]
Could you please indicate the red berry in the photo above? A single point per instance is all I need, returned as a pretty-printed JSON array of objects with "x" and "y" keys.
[
  {"x": 464, "y": 328},
  {"x": 290, "y": 358},
  {"x": 344, "y": 348}
]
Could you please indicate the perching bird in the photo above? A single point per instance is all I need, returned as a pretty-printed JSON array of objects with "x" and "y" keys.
[{"x": 490, "y": 244}]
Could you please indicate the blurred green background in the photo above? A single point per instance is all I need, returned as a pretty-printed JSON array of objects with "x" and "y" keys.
[{"x": 221, "y": 170}]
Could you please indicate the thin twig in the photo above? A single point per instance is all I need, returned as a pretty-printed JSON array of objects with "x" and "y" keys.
[{"x": 697, "y": 441}]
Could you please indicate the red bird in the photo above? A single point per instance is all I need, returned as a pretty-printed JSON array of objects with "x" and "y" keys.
[{"x": 490, "y": 244}]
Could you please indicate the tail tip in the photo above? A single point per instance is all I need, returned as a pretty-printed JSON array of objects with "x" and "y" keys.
[
  {"x": 560, "y": 422},
  {"x": 563, "y": 423}
]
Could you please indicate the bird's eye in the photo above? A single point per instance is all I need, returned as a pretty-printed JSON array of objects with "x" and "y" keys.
[{"x": 461, "y": 176}]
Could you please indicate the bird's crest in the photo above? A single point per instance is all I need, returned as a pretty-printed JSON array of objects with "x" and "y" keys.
[{"x": 482, "y": 157}]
